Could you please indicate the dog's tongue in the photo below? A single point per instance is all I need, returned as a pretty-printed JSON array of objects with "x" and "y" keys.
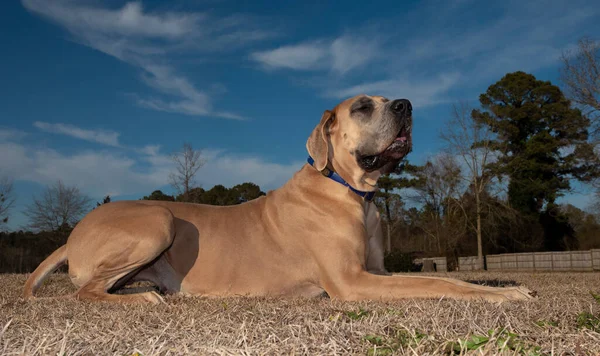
[{"x": 401, "y": 139}]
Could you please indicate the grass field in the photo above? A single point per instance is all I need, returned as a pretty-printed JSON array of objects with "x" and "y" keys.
[{"x": 563, "y": 320}]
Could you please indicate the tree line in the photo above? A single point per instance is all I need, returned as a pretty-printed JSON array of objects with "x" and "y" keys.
[{"x": 493, "y": 188}]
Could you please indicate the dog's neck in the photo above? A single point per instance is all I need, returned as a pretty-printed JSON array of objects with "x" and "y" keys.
[{"x": 330, "y": 173}]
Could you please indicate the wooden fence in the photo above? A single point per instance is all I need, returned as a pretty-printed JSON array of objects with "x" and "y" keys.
[
  {"x": 537, "y": 261},
  {"x": 469, "y": 263},
  {"x": 441, "y": 264}
]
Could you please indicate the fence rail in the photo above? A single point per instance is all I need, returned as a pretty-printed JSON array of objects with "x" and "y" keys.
[{"x": 537, "y": 261}]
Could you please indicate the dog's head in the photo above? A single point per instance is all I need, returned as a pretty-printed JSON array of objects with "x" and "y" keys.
[{"x": 362, "y": 138}]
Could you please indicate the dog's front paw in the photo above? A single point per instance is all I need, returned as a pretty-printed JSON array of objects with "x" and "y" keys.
[
  {"x": 520, "y": 293},
  {"x": 152, "y": 297}
]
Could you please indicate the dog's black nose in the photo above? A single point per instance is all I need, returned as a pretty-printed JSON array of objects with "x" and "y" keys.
[{"x": 402, "y": 107}]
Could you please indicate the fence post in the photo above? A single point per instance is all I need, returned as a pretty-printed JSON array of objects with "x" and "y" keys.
[
  {"x": 570, "y": 260},
  {"x": 595, "y": 261}
]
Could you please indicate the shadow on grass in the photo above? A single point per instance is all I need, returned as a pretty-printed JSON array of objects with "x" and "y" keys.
[
  {"x": 493, "y": 282},
  {"x": 137, "y": 287}
]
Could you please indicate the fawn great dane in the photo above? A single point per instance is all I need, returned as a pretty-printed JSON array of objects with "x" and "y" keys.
[{"x": 307, "y": 237}]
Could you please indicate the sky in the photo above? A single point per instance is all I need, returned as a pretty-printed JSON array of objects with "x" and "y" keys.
[{"x": 99, "y": 93}]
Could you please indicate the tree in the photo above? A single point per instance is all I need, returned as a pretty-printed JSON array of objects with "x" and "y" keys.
[
  {"x": 470, "y": 141},
  {"x": 220, "y": 195},
  {"x": 585, "y": 225},
  {"x": 217, "y": 195},
  {"x": 501, "y": 227},
  {"x": 194, "y": 196},
  {"x": 158, "y": 195},
  {"x": 581, "y": 75},
  {"x": 540, "y": 141},
  {"x": 388, "y": 199},
  {"x": 187, "y": 163},
  {"x": 106, "y": 200},
  {"x": 59, "y": 207},
  {"x": 437, "y": 189},
  {"x": 247, "y": 191},
  {"x": 6, "y": 199}
]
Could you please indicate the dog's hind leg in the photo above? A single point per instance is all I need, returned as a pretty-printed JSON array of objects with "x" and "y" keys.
[{"x": 100, "y": 262}]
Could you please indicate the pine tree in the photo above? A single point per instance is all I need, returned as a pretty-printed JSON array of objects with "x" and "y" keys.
[{"x": 541, "y": 142}]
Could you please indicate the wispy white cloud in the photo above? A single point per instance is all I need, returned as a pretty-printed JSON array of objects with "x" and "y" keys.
[
  {"x": 96, "y": 173},
  {"x": 150, "y": 150},
  {"x": 421, "y": 93},
  {"x": 338, "y": 55},
  {"x": 528, "y": 39},
  {"x": 11, "y": 134},
  {"x": 105, "y": 137},
  {"x": 349, "y": 52},
  {"x": 229, "y": 169},
  {"x": 459, "y": 45},
  {"x": 303, "y": 56},
  {"x": 146, "y": 40},
  {"x": 130, "y": 20},
  {"x": 130, "y": 172}
]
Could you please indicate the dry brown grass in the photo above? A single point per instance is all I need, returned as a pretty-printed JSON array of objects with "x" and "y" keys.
[{"x": 237, "y": 326}]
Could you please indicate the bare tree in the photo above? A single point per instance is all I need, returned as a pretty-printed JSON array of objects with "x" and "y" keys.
[
  {"x": 187, "y": 163},
  {"x": 470, "y": 141},
  {"x": 6, "y": 199},
  {"x": 581, "y": 75},
  {"x": 58, "y": 207},
  {"x": 438, "y": 188},
  {"x": 594, "y": 205}
]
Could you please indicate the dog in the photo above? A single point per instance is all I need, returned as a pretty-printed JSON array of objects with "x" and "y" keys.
[{"x": 304, "y": 239}]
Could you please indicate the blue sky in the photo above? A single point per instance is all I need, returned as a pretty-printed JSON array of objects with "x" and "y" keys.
[{"x": 98, "y": 93}]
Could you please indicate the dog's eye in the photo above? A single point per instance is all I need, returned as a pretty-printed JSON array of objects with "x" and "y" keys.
[{"x": 365, "y": 108}]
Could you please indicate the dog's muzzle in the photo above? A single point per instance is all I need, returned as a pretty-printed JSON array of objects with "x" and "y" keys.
[{"x": 401, "y": 143}]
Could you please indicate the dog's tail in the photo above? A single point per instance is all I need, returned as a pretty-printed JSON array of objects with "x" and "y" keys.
[{"x": 49, "y": 265}]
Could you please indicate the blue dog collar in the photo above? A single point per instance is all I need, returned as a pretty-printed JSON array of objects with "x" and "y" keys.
[{"x": 368, "y": 196}]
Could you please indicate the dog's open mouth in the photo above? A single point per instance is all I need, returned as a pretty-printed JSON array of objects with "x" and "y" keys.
[{"x": 398, "y": 149}]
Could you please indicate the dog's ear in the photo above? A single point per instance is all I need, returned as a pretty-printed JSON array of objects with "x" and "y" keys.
[{"x": 317, "y": 144}]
